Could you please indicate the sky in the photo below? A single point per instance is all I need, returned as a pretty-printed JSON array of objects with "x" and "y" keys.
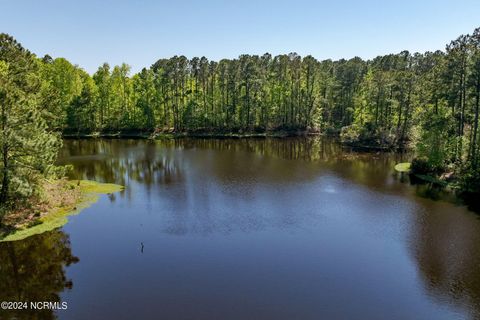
[{"x": 89, "y": 33}]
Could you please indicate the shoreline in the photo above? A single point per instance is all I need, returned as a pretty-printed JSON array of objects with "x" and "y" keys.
[
  {"x": 279, "y": 134},
  {"x": 63, "y": 198},
  {"x": 145, "y": 134}
]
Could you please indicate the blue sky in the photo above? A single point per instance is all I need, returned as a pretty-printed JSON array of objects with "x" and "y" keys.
[{"x": 89, "y": 33}]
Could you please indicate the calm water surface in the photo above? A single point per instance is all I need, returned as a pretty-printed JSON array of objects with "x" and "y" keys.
[{"x": 249, "y": 229}]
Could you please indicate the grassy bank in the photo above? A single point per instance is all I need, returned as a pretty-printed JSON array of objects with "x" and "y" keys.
[{"x": 61, "y": 199}]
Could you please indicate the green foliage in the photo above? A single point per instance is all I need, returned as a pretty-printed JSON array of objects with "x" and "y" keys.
[
  {"x": 470, "y": 181},
  {"x": 62, "y": 82},
  {"x": 27, "y": 148},
  {"x": 422, "y": 165},
  {"x": 81, "y": 113},
  {"x": 436, "y": 144},
  {"x": 251, "y": 93},
  {"x": 429, "y": 102},
  {"x": 367, "y": 135},
  {"x": 352, "y": 134}
]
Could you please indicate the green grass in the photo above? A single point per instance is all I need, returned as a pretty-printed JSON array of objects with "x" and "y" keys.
[{"x": 56, "y": 218}]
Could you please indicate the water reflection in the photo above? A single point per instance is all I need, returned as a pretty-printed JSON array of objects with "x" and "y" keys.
[
  {"x": 446, "y": 248},
  {"x": 158, "y": 162},
  {"x": 194, "y": 195},
  {"x": 114, "y": 162},
  {"x": 34, "y": 270}
]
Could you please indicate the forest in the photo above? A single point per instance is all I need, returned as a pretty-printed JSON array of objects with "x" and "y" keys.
[{"x": 425, "y": 102}]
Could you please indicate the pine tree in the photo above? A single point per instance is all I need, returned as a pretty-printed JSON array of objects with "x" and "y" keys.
[{"x": 27, "y": 148}]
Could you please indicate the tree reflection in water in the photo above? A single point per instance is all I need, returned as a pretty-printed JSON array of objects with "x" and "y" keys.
[
  {"x": 33, "y": 269},
  {"x": 445, "y": 246}
]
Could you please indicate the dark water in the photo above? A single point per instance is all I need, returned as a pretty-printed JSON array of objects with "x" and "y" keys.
[{"x": 249, "y": 229}]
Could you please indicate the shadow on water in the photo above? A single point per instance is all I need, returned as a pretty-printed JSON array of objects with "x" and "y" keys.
[
  {"x": 446, "y": 248},
  {"x": 33, "y": 270}
]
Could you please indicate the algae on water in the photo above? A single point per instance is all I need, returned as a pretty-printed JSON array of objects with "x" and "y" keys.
[
  {"x": 57, "y": 217},
  {"x": 403, "y": 167}
]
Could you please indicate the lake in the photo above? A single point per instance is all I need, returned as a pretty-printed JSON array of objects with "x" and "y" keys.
[{"x": 294, "y": 228}]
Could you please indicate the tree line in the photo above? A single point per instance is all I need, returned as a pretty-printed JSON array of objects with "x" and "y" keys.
[{"x": 426, "y": 101}]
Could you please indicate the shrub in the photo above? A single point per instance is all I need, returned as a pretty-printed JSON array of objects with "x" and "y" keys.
[
  {"x": 421, "y": 165},
  {"x": 350, "y": 134},
  {"x": 470, "y": 181}
]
